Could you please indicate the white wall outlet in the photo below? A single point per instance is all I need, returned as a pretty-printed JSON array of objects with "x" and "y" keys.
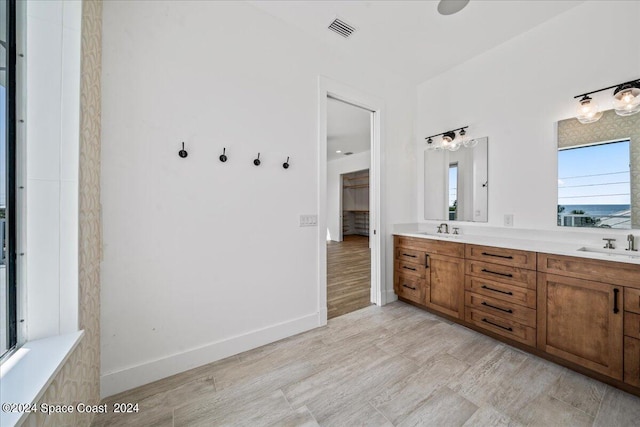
[
  {"x": 508, "y": 220},
  {"x": 308, "y": 220}
]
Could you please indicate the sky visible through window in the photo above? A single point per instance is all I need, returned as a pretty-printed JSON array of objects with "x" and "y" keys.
[
  {"x": 453, "y": 183},
  {"x": 597, "y": 174},
  {"x": 595, "y": 180}
]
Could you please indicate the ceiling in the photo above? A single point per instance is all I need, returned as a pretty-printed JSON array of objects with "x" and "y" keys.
[
  {"x": 410, "y": 38},
  {"x": 348, "y": 129}
]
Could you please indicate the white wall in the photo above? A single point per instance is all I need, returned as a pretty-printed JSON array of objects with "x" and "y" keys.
[
  {"x": 515, "y": 94},
  {"x": 203, "y": 259},
  {"x": 52, "y": 142},
  {"x": 335, "y": 168}
]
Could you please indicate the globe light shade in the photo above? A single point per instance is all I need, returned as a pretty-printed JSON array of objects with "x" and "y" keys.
[
  {"x": 588, "y": 111},
  {"x": 454, "y": 146},
  {"x": 467, "y": 140},
  {"x": 626, "y": 100}
]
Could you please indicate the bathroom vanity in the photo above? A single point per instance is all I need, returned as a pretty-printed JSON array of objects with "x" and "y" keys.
[{"x": 575, "y": 306}]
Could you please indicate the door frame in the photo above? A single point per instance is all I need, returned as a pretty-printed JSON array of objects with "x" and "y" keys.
[{"x": 331, "y": 88}]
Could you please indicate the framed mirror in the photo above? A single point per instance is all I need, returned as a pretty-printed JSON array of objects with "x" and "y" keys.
[
  {"x": 599, "y": 172},
  {"x": 456, "y": 183}
]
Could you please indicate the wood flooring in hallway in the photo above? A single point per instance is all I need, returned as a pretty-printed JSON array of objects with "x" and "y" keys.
[
  {"x": 395, "y": 365},
  {"x": 348, "y": 275}
]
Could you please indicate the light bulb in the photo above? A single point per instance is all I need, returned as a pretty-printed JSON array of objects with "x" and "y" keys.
[
  {"x": 626, "y": 100},
  {"x": 454, "y": 146},
  {"x": 588, "y": 111}
]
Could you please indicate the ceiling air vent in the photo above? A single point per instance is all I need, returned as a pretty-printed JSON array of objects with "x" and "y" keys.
[{"x": 340, "y": 27}]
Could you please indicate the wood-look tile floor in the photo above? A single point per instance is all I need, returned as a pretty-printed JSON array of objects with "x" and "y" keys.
[
  {"x": 348, "y": 275},
  {"x": 380, "y": 366}
]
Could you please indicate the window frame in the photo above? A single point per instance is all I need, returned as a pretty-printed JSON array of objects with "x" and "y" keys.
[{"x": 11, "y": 171}]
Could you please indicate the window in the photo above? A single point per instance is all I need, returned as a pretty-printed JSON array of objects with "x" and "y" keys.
[
  {"x": 453, "y": 191},
  {"x": 8, "y": 303},
  {"x": 594, "y": 186}
]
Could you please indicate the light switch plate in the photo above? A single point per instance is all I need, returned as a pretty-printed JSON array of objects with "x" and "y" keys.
[{"x": 308, "y": 220}]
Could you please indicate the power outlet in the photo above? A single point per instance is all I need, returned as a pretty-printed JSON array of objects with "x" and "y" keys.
[
  {"x": 508, "y": 220},
  {"x": 308, "y": 220}
]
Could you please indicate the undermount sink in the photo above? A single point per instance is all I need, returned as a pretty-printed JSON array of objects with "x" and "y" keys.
[
  {"x": 443, "y": 235},
  {"x": 610, "y": 252}
]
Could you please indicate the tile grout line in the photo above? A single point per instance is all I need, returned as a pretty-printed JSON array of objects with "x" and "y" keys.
[
  {"x": 286, "y": 400},
  {"x": 378, "y": 411},
  {"x": 607, "y": 390}
]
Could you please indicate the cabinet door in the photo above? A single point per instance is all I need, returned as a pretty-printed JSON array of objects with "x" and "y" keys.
[
  {"x": 581, "y": 321},
  {"x": 632, "y": 361},
  {"x": 446, "y": 284}
]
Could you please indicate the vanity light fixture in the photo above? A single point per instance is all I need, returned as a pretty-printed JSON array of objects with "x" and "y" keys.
[
  {"x": 627, "y": 98},
  {"x": 451, "y": 141},
  {"x": 626, "y": 101},
  {"x": 588, "y": 110}
]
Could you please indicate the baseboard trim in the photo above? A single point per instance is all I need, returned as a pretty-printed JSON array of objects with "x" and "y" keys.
[
  {"x": 391, "y": 296},
  {"x": 135, "y": 376}
]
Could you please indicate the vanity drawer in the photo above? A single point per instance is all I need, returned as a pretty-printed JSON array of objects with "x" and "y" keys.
[
  {"x": 632, "y": 324},
  {"x": 512, "y": 275},
  {"x": 409, "y": 268},
  {"x": 632, "y": 361},
  {"x": 410, "y": 287},
  {"x": 410, "y": 255},
  {"x": 632, "y": 299},
  {"x": 502, "y": 291},
  {"x": 502, "y": 309},
  {"x": 512, "y": 257},
  {"x": 611, "y": 272},
  {"x": 438, "y": 247},
  {"x": 508, "y": 328}
]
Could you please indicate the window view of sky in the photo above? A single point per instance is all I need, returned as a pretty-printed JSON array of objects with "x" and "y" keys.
[
  {"x": 453, "y": 183},
  {"x": 594, "y": 175}
]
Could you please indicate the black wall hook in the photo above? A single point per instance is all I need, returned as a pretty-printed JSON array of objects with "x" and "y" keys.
[
  {"x": 183, "y": 153},
  {"x": 223, "y": 156},
  {"x": 286, "y": 164},
  {"x": 257, "y": 160}
]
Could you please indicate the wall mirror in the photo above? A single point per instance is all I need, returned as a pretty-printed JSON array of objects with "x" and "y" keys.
[
  {"x": 456, "y": 183},
  {"x": 599, "y": 172}
]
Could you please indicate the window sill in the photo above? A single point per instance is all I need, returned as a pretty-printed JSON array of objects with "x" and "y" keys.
[{"x": 26, "y": 374}]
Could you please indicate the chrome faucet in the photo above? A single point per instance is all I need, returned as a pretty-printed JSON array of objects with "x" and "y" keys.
[
  {"x": 632, "y": 243},
  {"x": 609, "y": 244},
  {"x": 446, "y": 228}
]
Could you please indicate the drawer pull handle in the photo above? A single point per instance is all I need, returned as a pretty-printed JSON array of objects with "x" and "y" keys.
[
  {"x": 615, "y": 300},
  {"x": 484, "y": 270},
  {"x": 496, "y": 290},
  {"x": 499, "y": 326},
  {"x": 407, "y": 286},
  {"x": 408, "y": 268},
  {"x": 426, "y": 260},
  {"x": 497, "y": 308},
  {"x": 409, "y": 255},
  {"x": 497, "y": 256}
]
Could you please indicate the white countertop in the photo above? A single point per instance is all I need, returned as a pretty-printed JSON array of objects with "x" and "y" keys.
[{"x": 549, "y": 247}]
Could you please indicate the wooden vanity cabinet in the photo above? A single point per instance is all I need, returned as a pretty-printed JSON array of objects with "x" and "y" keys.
[
  {"x": 445, "y": 278},
  {"x": 580, "y": 311},
  {"x": 632, "y": 336},
  {"x": 580, "y": 320},
  {"x": 500, "y": 291},
  {"x": 435, "y": 269}
]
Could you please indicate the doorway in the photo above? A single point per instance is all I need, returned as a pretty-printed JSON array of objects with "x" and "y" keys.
[
  {"x": 331, "y": 89},
  {"x": 348, "y": 210}
]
